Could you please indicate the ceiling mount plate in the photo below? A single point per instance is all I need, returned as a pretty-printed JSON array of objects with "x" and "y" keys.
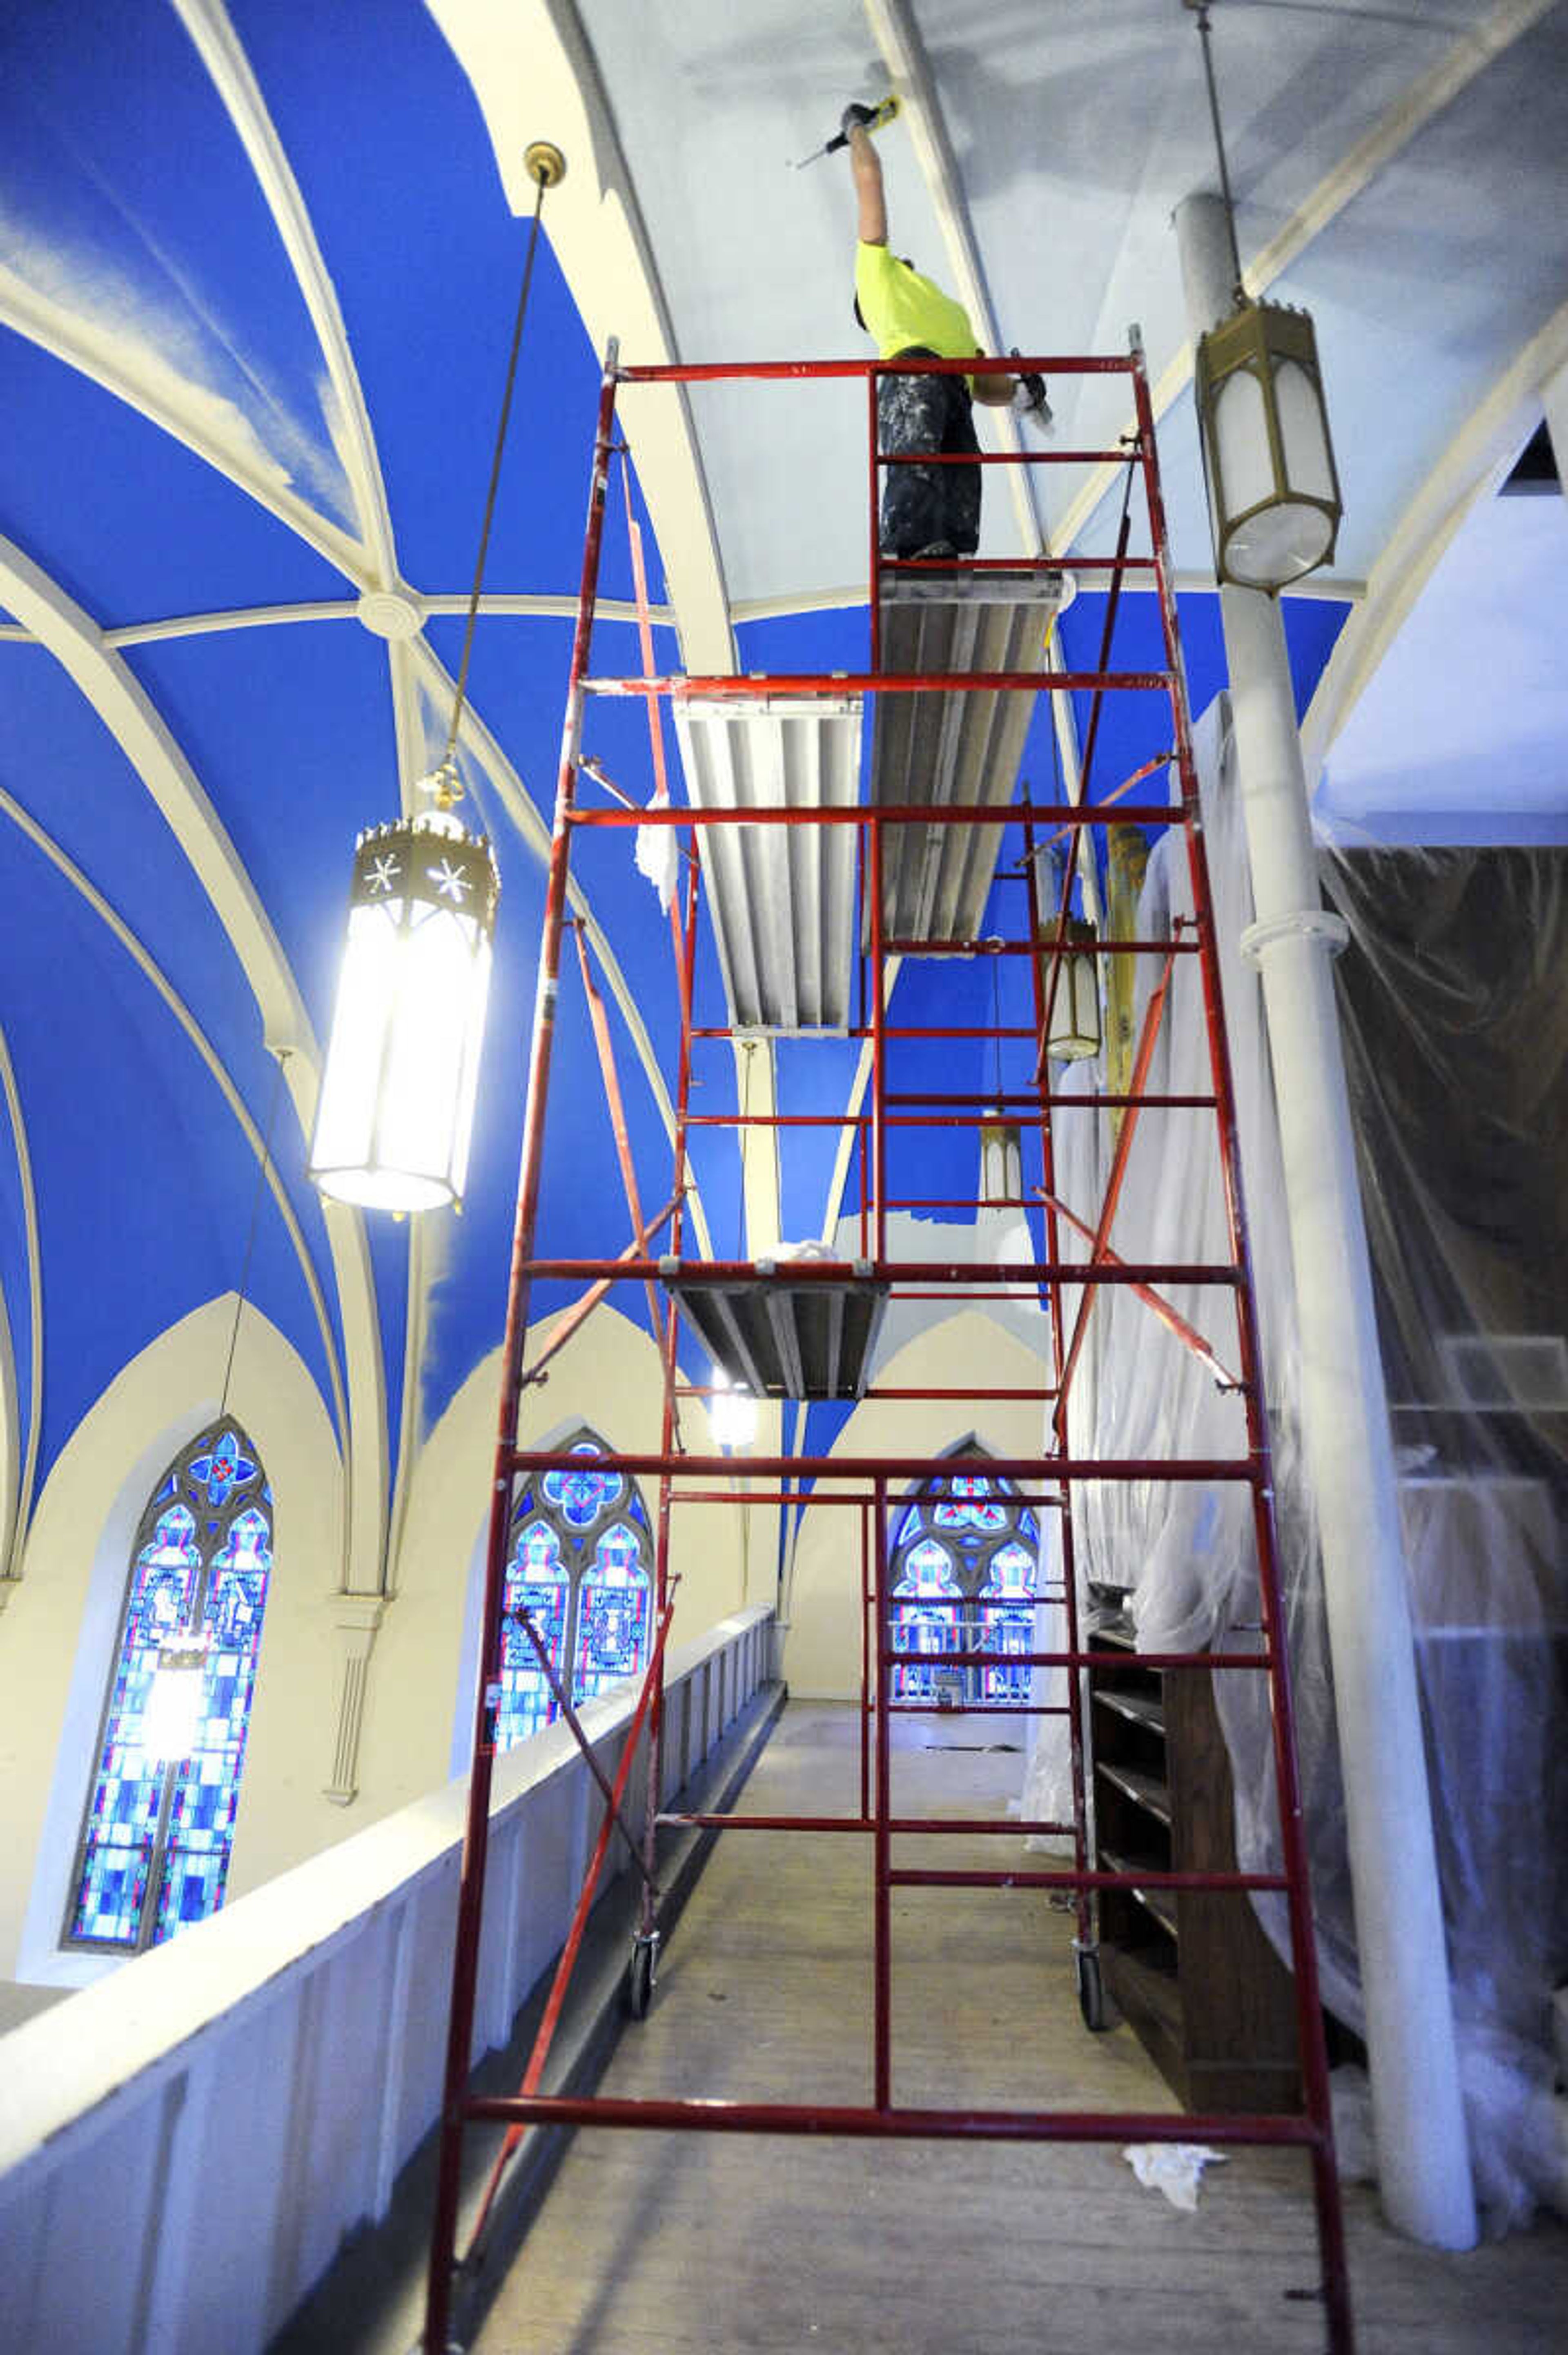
[{"x": 544, "y": 164}]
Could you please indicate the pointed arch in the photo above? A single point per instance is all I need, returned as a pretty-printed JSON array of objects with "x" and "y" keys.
[
  {"x": 158, "y": 1830},
  {"x": 963, "y": 1577},
  {"x": 580, "y": 1566}
]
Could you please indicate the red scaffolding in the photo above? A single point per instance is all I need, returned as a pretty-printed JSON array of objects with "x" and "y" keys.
[{"x": 802, "y": 1329}]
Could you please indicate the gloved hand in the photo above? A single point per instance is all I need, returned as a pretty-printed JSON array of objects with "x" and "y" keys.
[
  {"x": 854, "y": 117},
  {"x": 1029, "y": 395}
]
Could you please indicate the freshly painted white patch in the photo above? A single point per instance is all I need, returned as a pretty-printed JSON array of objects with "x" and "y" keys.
[
  {"x": 342, "y": 400},
  {"x": 172, "y": 357}
]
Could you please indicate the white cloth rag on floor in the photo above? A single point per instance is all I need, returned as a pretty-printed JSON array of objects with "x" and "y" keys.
[{"x": 1173, "y": 2168}]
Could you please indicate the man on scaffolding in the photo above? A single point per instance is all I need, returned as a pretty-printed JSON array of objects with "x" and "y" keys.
[{"x": 927, "y": 511}]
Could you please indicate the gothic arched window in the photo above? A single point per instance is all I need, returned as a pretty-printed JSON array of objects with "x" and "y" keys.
[
  {"x": 962, "y": 1578},
  {"x": 156, "y": 1839},
  {"x": 581, "y": 1566}
]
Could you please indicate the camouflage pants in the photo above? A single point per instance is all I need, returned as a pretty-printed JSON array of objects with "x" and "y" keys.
[{"x": 916, "y": 415}]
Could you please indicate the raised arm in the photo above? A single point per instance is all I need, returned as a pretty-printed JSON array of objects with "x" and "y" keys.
[{"x": 867, "y": 166}]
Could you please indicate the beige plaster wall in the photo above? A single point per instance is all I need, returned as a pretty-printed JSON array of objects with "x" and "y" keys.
[
  {"x": 822, "y": 1646},
  {"x": 418, "y": 1727},
  {"x": 60, "y": 1629}
]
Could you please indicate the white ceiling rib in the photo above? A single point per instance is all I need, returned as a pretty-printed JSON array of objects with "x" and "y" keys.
[
  {"x": 21, "y": 1463},
  {"x": 207, "y": 21},
  {"x": 153, "y": 972},
  {"x": 178, "y": 408},
  {"x": 781, "y": 896}
]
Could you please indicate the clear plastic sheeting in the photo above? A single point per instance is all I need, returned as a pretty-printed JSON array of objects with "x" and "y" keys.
[
  {"x": 1454, "y": 1019},
  {"x": 1454, "y": 1013}
]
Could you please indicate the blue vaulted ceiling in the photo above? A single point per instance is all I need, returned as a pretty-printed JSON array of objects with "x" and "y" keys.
[{"x": 258, "y": 269}]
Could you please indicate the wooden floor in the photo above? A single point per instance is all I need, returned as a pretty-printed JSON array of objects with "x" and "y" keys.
[{"x": 712, "y": 2244}]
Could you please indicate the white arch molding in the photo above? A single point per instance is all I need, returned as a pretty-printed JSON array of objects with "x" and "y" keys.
[
  {"x": 124, "y": 706},
  {"x": 63, "y": 1623}
]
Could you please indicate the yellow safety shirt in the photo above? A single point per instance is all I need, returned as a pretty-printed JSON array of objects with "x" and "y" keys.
[{"x": 902, "y": 309}]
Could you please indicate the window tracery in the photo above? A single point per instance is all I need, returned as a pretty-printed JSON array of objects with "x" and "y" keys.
[
  {"x": 963, "y": 1578},
  {"x": 581, "y": 1566},
  {"x": 156, "y": 1839}
]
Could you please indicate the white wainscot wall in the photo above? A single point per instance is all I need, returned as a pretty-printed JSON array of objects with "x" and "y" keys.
[{"x": 184, "y": 2145}]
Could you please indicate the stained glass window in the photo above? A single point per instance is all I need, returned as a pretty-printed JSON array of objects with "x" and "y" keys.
[
  {"x": 156, "y": 1839},
  {"x": 580, "y": 1569},
  {"x": 924, "y": 1616},
  {"x": 969, "y": 1504},
  {"x": 1007, "y": 1620},
  {"x": 970, "y": 1589},
  {"x": 582, "y": 1495},
  {"x": 611, "y": 1614},
  {"x": 537, "y": 1582}
]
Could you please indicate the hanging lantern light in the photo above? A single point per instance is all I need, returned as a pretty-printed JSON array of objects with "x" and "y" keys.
[
  {"x": 171, "y": 1718},
  {"x": 732, "y": 1412},
  {"x": 1274, "y": 488},
  {"x": 1274, "y": 493},
  {"x": 396, "y": 1111},
  {"x": 1074, "y": 1033},
  {"x": 1001, "y": 1161},
  {"x": 1074, "y": 1026}
]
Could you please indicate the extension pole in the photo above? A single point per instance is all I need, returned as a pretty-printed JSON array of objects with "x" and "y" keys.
[{"x": 1422, "y": 2155}]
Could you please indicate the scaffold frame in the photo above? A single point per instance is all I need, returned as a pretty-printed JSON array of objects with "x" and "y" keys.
[{"x": 872, "y": 1484}]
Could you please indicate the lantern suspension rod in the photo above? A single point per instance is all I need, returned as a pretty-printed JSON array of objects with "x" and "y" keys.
[
  {"x": 262, "y": 1166},
  {"x": 1199, "y": 8},
  {"x": 546, "y": 167}
]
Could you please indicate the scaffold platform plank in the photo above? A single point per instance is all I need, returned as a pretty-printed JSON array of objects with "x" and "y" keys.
[
  {"x": 781, "y": 897},
  {"x": 786, "y": 1340},
  {"x": 946, "y": 745}
]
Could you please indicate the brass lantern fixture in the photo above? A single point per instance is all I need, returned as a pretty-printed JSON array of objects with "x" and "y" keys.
[
  {"x": 1001, "y": 1160},
  {"x": 396, "y": 1110},
  {"x": 1273, "y": 492},
  {"x": 1274, "y": 488},
  {"x": 1075, "y": 1032},
  {"x": 395, "y": 1115}
]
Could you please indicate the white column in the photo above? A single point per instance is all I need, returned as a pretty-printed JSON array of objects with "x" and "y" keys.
[
  {"x": 1423, "y": 2154},
  {"x": 356, "y": 1620}
]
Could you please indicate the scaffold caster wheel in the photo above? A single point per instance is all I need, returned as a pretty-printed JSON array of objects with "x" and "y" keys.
[
  {"x": 642, "y": 1973},
  {"x": 1091, "y": 1994}
]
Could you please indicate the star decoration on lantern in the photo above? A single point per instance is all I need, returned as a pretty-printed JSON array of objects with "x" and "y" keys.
[
  {"x": 384, "y": 872},
  {"x": 448, "y": 882}
]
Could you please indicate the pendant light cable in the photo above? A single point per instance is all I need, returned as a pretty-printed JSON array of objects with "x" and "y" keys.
[
  {"x": 1201, "y": 11},
  {"x": 262, "y": 1168},
  {"x": 547, "y": 167}
]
